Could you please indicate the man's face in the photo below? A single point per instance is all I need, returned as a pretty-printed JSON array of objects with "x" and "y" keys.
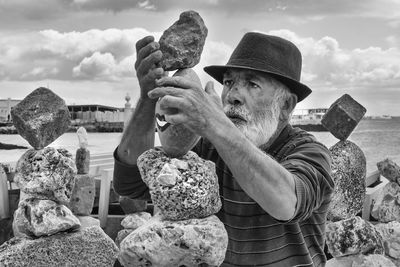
[{"x": 248, "y": 100}]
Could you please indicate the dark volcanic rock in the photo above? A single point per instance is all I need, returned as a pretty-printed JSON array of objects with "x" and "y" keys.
[
  {"x": 89, "y": 247},
  {"x": 353, "y": 236},
  {"x": 41, "y": 117},
  {"x": 348, "y": 173},
  {"x": 343, "y": 116},
  {"x": 183, "y": 42},
  {"x": 46, "y": 174},
  {"x": 390, "y": 170},
  {"x": 181, "y": 188}
]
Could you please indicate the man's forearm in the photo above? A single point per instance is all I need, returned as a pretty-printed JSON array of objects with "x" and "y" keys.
[
  {"x": 139, "y": 135},
  {"x": 259, "y": 175}
]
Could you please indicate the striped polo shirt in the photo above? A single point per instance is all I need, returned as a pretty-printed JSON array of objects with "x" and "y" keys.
[{"x": 255, "y": 237}]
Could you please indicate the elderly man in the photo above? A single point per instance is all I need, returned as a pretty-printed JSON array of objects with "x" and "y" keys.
[{"x": 275, "y": 181}]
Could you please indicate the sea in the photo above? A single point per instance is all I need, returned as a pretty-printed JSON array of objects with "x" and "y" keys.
[{"x": 378, "y": 138}]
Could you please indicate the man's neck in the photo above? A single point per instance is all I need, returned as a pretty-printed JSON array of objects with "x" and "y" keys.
[{"x": 281, "y": 126}]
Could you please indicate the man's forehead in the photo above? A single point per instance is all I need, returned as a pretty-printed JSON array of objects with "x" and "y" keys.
[{"x": 246, "y": 73}]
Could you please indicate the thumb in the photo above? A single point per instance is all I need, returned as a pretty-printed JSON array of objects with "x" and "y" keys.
[{"x": 210, "y": 88}]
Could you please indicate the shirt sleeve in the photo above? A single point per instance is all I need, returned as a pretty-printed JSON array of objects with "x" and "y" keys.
[
  {"x": 310, "y": 165},
  {"x": 127, "y": 180}
]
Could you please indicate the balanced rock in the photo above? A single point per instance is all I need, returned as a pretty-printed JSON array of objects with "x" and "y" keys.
[
  {"x": 176, "y": 243},
  {"x": 387, "y": 207},
  {"x": 348, "y": 173},
  {"x": 391, "y": 238},
  {"x": 353, "y": 236},
  {"x": 182, "y": 43},
  {"x": 83, "y": 193},
  {"x": 40, "y": 217},
  {"x": 390, "y": 170},
  {"x": 82, "y": 160},
  {"x": 135, "y": 220},
  {"x": 360, "y": 260},
  {"x": 181, "y": 188},
  {"x": 343, "y": 116},
  {"x": 47, "y": 174},
  {"x": 87, "y": 247},
  {"x": 41, "y": 117}
]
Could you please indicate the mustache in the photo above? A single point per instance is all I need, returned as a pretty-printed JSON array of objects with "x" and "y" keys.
[{"x": 237, "y": 112}]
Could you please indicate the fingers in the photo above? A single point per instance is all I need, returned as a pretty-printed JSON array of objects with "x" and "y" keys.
[
  {"x": 146, "y": 51},
  {"x": 164, "y": 91},
  {"x": 176, "y": 81},
  {"x": 143, "y": 42},
  {"x": 176, "y": 118},
  {"x": 210, "y": 89}
]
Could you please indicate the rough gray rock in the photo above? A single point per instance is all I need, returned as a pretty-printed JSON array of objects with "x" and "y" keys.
[
  {"x": 390, "y": 170},
  {"x": 391, "y": 238},
  {"x": 182, "y": 43},
  {"x": 373, "y": 260},
  {"x": 181, "y": 188},
  {"x": 82, "y": 160},
  {"x": 35, "y": 217},
  {"x": 348, "y": 173},
  {"x": 130, "y": 205},
  {"x": 176, "y": 243},
  {"x": 353, "y": 236},
  {"x": 83, "y": 193},
  {"x": 387, "y": 206},
  {"x": 122, "y": 235},
  {"x": 47, "y": 174},
  {"x": 88, "y": 247},
  {"x": 41, "y": 117},
  {"x": 88, "y": 221},
  {"x": 135, "y": 220}
]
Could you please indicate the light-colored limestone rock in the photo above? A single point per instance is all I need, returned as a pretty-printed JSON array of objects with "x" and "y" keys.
[
  {"x": 83, "y": 195},
  {"x": 391, "y": 238},
  {"x": 359, "y": 260},
  {"x": 89, "y": 247},
  {"x": 36, "y": 217},
  {"x": 191, "y": 192},
  {"x": 88, "y": 221},
  {"x": 390, "y": 170},
  {"x": 135, "y": 220},
  {"x": 176, "y": 243},
  {"x": 121, "y": 236},
  {"x": 387, "y": 205}
]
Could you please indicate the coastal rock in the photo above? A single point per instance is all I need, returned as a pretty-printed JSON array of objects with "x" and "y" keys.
[
  {"x": 41, "y": 117},
  {"x": 390, "y": 170},
  {"x": 40, "y": 217},
  {"x": 176, "y": 140},
  {"x": 47, "y": 174},
  {"x": 182, "y": 43},
  {"x": 343, "y": 116},
  {"x": 82, "y": 160},
  {"x": 373, "y": 260},
  {"x": 83, "y": 193},
  {"x": 181, "y": 188},
  {"x": 135, "y": 220},
  {"x": 353, "y": 236},
  {"x": 121, "y": 236},
  {"x": 387, "y": 206},
  {"x": 348, "y": 172},
  {"x": 176, "y": 243},
  {"x": 391, "y": 238},
  {"x": 90, "y": 247}
]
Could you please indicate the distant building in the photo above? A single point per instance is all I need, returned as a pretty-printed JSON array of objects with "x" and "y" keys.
[
  {"x": 5, "y": 108},
  {"x": 95, "y": 113}
]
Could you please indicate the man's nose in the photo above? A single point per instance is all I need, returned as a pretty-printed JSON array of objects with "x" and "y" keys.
[{"x": 234, "y": 97}]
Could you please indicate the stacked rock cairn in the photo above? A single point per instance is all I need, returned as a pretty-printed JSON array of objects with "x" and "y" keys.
[
  {"x": 183, "y": 187},
  {"x": 351, "y": 240},
  {"x": 46, "y": 231}
]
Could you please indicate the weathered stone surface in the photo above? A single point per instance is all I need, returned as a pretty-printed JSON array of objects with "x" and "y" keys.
[
  {"x": 83, "y": 194},
  {"x": 353, "y": 236},
  {"x": 88, "y": 247},
  {"x": 41, "y": 117},
  {"x": 82, "y": 160},
  {"x": 47, "y": 174},
  {"x": 121, "y": 236},
  {"x": 348, "y": 173},
  {"x": 82, "y": 137},
  {"x": 176, "y": 140},
  {"x": 135, "y": 220},
  {"x": 182, "y": 43},
  {"x": 373, "y": 260},
  {"x": 181, "y": 188},
  {"x": 387, "y": 207},
  {"x": 39, "y": 217},
  {"x": 176, "y": 243},
  {"x": 130, "y": 205},
  {"x": 88, "y": 221},
  {"x": 390, "y": 170},
  {"x": 343, "y": 116},
  {"x": 391, "y": 238}
]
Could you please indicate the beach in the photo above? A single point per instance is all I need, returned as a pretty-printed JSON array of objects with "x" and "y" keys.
[{"x": 379, "y": 139}]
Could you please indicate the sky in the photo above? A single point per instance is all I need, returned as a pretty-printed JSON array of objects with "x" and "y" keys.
[{"x": 84, "y": 50}]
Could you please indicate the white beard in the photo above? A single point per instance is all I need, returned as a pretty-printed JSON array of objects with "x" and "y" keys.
[{"x": 260, "y": 126}]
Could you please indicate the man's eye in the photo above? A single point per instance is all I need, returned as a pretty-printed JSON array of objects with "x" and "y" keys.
[
  {"x": 228, "y": 83},
  {"x": 253, "y": 85}
]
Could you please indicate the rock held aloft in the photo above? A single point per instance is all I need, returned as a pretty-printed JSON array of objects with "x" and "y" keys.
[
  {"x": 41, "y": 117},
  {"x": 181, "y": 188},
  {"x": 48, "y": 173},
  {"x": 348, "y": 173},
  {"x": 182, "y": 43},
  {"x": 176, "y": 243}
]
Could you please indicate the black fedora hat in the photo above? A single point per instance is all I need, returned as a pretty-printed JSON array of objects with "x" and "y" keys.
[{"x": 270, "y": 54}]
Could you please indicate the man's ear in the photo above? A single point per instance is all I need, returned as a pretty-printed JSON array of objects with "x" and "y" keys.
[{"x": 288, "y": 106}]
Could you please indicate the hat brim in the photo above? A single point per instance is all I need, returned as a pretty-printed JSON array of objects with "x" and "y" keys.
[{"x": 301, "y": 90}]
